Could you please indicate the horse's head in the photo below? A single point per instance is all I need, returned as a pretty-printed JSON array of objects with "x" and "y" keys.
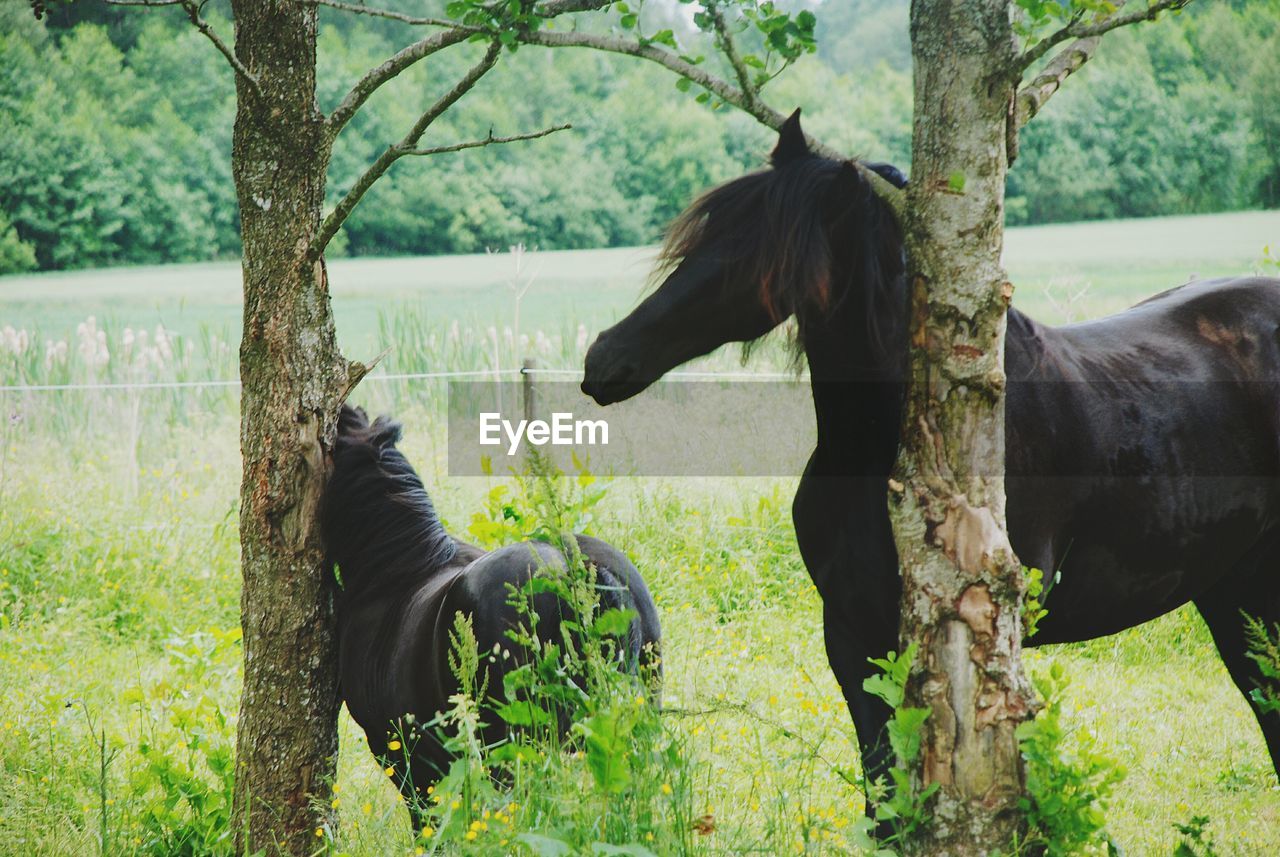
[
  {"x": 378, "y": 523},
  {"x": 788, "y": 240}
]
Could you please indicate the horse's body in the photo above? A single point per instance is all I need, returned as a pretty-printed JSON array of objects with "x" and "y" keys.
[
  {"x": 1142, "y": 450},
  {"x": 403, "y": 579}
]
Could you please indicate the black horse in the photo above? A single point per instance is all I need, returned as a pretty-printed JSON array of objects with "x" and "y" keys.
[
  {"x": 401, "y": 581},
  {"x": 1142, "y": 450}
]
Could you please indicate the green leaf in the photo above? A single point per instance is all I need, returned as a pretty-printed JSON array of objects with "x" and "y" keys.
[
  {"x": 545, "y": 846},
  {"x": 629, "y": 850},
  {"x": 607, "y": 736},
  {"x": 683, "y": 84},
  {"x": 956, "y": 182},
  {"x": 665, "y": 37},
  {"x": 883, "y": 688},
  {"x": 615, "y": 622},
  {"x": 524, "y": 714}
]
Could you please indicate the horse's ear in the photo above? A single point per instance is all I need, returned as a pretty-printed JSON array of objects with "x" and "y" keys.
[
  {"x": 846, "y": 189},
  {"x": 351, "y": 420},
  {"x": 848, "y": 181},
  {"x": 385, "y": 432},
  {"x": 791, "y": 143}
]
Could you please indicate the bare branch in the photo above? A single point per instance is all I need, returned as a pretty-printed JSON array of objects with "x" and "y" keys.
[
  {"x": 1066, "y": 63},
  {"x": 376, "y": 77},
  {"x": 398, "y": 150},
  {"x": 356, "y": 372},
  {"x": 359, "y": 9},
  {"x": 488, "y": 141},
  {"x": 552, "y": 8},
  {"x": 725, "y": 38},
  {"x": 718, "y": 87},
  {"x": 193, "y": 14},
  {"x": 1078, "y": 29}
]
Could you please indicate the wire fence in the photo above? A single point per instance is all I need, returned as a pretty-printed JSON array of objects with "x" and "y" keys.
[{"x": 495, "y": 374}]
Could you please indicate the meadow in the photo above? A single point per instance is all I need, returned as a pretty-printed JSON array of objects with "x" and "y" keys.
[{"x": 119, "y": 639}]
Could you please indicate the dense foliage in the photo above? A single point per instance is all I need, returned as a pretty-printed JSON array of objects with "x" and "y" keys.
[{"x": 115, "y": 132}]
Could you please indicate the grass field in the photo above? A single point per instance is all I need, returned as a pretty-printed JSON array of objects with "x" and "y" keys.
[
  {"x": 119, "y": 583},
  {"x": 1115, "y": 263}
]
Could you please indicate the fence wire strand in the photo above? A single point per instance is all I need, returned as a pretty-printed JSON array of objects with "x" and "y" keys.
[{"x": 407, "y": 376}]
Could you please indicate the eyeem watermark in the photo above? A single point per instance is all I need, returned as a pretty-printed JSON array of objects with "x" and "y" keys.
[
  {"x": 677, "y": 428},
  {"x": 562, "y": 430},
  {"x": 750, "y": 428}
]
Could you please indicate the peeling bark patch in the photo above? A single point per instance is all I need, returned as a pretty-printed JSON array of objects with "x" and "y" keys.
[
  {"x": 977, "y": 609},
  {"x": 919, "y": 312},
  {"x": 939, "y": 749},
  {"x": 300, "y": 526},
  {"x": 969, "y": 536}
]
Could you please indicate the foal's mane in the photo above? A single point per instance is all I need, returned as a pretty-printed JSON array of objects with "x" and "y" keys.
[
  {"x": 379, "y": 524},
  {"x": 811, "y": 233}
]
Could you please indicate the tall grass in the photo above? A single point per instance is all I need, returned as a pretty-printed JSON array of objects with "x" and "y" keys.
[{"x": 119, "y": 648}]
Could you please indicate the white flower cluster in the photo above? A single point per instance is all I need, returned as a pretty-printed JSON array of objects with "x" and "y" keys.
[
  {"x": 141, "y": 352},
  {"x": 14, "y": 341},
  {"x": 91, "y": 344},
  {"x": 55, "y": 353}
]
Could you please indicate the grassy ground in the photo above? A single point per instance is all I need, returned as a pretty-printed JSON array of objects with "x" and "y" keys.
[
  {"x": 118, "y": 579},
  {"x": 1114, "y": 263}
]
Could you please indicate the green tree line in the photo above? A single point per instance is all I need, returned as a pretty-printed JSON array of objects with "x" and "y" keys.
[{"x": 115, "y": 128}]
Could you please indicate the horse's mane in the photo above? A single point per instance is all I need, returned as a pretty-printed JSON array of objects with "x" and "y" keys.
[
  {"x": 379, "y": 525},
  {"x": 812, "y": 233}
]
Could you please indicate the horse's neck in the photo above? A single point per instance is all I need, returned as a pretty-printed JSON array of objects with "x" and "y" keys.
[
  {"x": 858, "y": 396},
  {"x": 404, "y": 551},
  {"x": 857, "y": 399}
]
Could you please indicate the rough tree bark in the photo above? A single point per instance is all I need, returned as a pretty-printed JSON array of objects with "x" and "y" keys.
[
  {"x": 293, "y": 379},
  {"x": 962, "y": 584}
]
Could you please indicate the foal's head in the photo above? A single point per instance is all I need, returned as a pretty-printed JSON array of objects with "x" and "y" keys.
[
  {"x": 378, "y": 522},
  {"x": 806, "y": 238}
]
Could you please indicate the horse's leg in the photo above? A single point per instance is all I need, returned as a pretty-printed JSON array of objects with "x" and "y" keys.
[
  {"x": 1260, "y": 598},
  {"x": 842, "y": 526},
  {"x": 848, "y": 650}
]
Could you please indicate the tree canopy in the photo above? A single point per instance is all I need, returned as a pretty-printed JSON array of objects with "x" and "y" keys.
[{"x": 115, "y": 133}]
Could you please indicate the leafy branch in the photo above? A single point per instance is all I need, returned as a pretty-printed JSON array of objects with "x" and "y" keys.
[
  {"x": 193, "y": 14},
  {"x": 1080, "y": 24},
  {"x": 407, "y": 145},
  {"x": 519, "y": 22},
  {"x": 717, "y": 86},
  {"x": 1086, "y": 21}
]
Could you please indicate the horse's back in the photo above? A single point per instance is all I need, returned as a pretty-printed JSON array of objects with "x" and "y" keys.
[
  {"x": 608, "y": 560},
  {"x": 1236, "y": 319},
  {"x": 1144, "y": 449}
]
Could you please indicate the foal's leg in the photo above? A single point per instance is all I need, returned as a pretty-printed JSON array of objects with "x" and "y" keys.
[{"x": 1259, "y": 596}]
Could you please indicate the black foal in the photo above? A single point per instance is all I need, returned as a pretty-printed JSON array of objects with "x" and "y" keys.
[{"x": 402, "y": 580}]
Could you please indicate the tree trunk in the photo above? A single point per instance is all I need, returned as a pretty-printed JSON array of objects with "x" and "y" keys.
[
  {"x": 962, "y": 584},
  {"x": 293, "y": 378}
]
